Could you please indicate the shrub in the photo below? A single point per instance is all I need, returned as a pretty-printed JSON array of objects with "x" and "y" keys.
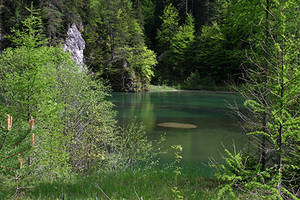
[{"x": 129, "y": 147}]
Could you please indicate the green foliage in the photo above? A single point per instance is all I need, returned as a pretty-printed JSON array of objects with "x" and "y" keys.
[
  {"x": 28, "y": 88},
  {"x": 141, "y": 62},
  {"x": 110, "y": 31},
  {"x": 30, "y": 36},
  {"x": 169, "y": 26},
  {"x": 195, "y": 81},
  {"x": 210, "y": 57},
  {"x": 54, "y": 20},
  {"x": 72, "y": 114},
  {"x": 272, "y": 100},
  {"x": 56, "y": 16},
  {"x": 129, "y": 147},
  {"x": 180, "y": 48},
  {"x": 149, "y": 19},
  {"x": 240, "y": 173},
  {"x": 153, "y": 183},
  {"x": 177, "y": 171},
  {"x": 76, "y": 124},
  {"x": 15, "y": 149},
  {"x": 176, "y": 42},
  {"x": 87, "y": 116},
  {"x": 184, "y": 37},
  {"x": 125, "y": 60}
]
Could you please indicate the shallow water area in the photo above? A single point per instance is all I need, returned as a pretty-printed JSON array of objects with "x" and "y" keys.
[{"x": 210, "y": 122}]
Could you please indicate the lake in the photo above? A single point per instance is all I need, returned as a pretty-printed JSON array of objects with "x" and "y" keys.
[{"x": 208, "y": 111}]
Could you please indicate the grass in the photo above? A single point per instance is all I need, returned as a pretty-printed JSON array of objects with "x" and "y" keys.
[
  {"x": 130, "y": 184},
  {"x": 162, "y": 88}
]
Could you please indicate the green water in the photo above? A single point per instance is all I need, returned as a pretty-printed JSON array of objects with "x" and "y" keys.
[{"x": 208, "y": 111}]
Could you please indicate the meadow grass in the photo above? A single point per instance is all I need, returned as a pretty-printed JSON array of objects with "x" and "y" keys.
[{"x": 130, "y": 184}]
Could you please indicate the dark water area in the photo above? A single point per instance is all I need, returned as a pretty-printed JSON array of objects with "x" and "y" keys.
[{"x": 215, "y": 124}]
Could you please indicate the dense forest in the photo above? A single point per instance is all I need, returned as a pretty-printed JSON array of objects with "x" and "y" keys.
[
  {"x": 57, "y": 126},
  {"x": 190, "y": 44}
]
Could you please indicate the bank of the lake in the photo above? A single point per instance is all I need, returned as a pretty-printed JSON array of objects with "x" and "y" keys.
[
  {"x": 215, "y": 89},
  {"x": 162, "y": 88}
]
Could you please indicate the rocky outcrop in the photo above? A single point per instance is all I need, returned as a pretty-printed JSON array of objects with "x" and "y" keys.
[{"x": 75, "y": 44}]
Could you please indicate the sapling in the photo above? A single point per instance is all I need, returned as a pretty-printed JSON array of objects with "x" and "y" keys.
[
  {"x": 15, "y": 147},
  {"x": 177, "y": 170}
]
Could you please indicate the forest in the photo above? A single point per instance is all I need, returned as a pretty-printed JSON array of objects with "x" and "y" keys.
[
  {"x": 60, "y": 132},
  {"x": 130, "y": 44}
]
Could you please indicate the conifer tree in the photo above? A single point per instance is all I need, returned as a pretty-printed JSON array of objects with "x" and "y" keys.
[
  {"x": 180, "y": 47},
  {"x": 169, "y": 27},
  {"x": 272, "y": 100},
  {"x": 15, "y": 151},
  {"x": 175, "y": 45},
  {"x": 121, "y": 38},
  {"x": 28, "y": 88}
]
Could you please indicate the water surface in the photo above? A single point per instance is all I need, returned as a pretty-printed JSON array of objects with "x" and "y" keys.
[{"x": 209, "y": 111}]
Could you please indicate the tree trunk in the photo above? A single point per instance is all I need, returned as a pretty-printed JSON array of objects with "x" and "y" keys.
[
  {"x": 186, "y": 6},
  {"x": 282, "y": 90},
  {"x": 266, "y": 77}
]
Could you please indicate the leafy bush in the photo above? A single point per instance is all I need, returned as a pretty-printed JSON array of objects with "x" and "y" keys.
[
  {"x": 87, "y": 117},
  {"x": 129, "y": 147}
]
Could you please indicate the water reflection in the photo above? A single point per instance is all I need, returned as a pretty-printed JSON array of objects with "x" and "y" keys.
[
  {"x": 208, "y": 111},
  {"x": 135, "y": 105}
]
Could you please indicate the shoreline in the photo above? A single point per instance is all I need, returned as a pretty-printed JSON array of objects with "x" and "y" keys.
[{"x": 155, "y": 88}]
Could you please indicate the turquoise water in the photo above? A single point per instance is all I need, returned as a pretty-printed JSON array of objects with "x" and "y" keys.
[{"x": 216, "y": 126}]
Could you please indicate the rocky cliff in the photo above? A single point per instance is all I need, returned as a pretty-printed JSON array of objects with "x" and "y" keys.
[{"x": 75, "y": 44}]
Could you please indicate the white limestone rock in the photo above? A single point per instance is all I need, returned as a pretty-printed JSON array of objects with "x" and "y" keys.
[{"x": 75, "y": 44}]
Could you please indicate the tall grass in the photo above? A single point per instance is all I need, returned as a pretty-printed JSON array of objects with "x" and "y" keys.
[{"x": 130, "y": 184}]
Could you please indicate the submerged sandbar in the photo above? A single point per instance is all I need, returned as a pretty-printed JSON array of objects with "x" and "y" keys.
[{"x": 176, "y": 125}]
